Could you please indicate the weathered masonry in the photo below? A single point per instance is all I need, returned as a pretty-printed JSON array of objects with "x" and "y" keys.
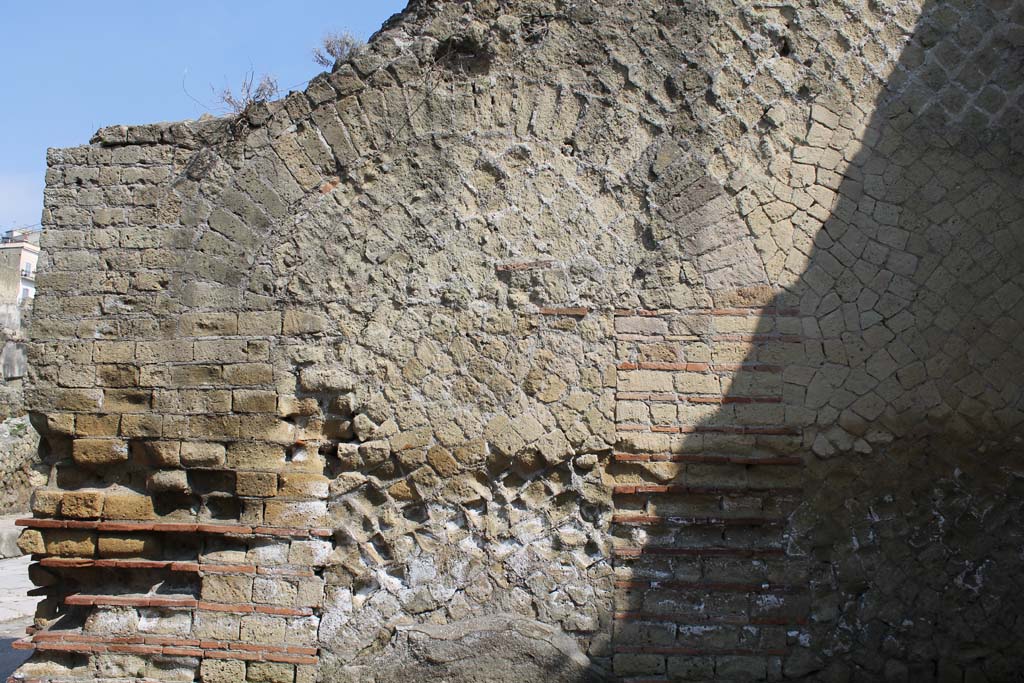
[{"x": 550, "y": 341}]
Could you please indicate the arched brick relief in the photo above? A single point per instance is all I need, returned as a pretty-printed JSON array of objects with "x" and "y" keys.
[{"x": 619, "y": 339}]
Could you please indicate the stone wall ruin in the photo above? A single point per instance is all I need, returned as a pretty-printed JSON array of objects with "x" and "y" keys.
[{"x": 550, "y": 341}]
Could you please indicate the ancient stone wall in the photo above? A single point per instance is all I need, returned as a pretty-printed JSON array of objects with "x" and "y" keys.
[
  {"x": 550, "y": 341},
  {"x": 20, "y": 465}
]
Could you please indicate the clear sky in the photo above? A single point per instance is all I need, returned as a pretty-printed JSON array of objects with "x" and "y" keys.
[{"x": 70, "y": 67}]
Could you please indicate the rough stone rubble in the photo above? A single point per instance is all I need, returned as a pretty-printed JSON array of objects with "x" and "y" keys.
[{"x": 550, "y": 341}]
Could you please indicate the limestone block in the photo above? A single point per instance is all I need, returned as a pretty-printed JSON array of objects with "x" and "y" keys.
[
  {"x": 226, "y": 588},
  {"x": 259, "y": 323},
  {"x": 295, "y": 514},
  {"x": 216, "y": 625},
  {"x": 302, "y": 322},
  {"x": 645, "y": 380},
  {"x": 274, "y": 591},
  {"x": 260, "y": 484},
  {"x": 117, "y": 621},
  {"x": 129, "y": 545},
  {"x": 82, "y": 504},
  {"x": 222, "y": 671},
  {"x": 157, "y": 453},
  {"x": 165, "y": 622},
  {"x": 127, "y": 505},
  {"x": 168, "y": 481},
  {"x": 248, "y": 374},
  {"x": 70, "y": 543},
  {"x": 401, "y": 491},
  {"x": 99, "y": 452},
  {"x": 310, "y": 553},
  {"x": 270, "y": 672},
  {"x": 202, "y": 454},
  {"x": 208, "y": 324},
  {"x": 253, "y": 401},
  {"x": 244, "y": 455},
  {"x": 97, "y": 425},
  {"x": 303, "y": 485},
  {"x": 141, "y": 426},
  {"x": 442, "y": 461},
  {"x": 31, "y": 542},
  {"x": 262, "y": 628},
  {"x": 310, "y": 592},
  {"x": 46, "y": 502}
]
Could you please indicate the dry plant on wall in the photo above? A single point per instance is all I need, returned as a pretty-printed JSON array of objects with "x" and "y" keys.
[
  {"x": 249, "y": 93},
  {"x": 336, "y": 48}
]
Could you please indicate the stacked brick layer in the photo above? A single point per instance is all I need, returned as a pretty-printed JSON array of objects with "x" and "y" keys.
[{"x": 710, "y": 473}]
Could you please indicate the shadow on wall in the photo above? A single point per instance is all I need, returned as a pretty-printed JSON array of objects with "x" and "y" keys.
[{"x": 883, "y": 394}]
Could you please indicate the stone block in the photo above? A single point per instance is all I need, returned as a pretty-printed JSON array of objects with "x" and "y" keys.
[
  {"x": 257, "y": 484},
  {"x": 228, "y": 589},
  {"x": 691, "y": 668},
  {"x": 70, "y": 543},
  {"x": 645, "y": 380},
  {"x": 216, "y": 625},
  {"x": 208, "y": 324},
  {"x": 642, "y": 325},
  {"x": 158, "y": 453},
  {"x": 141, "y": 425},
  {"x": 248, "y": 374},
  {"x": 270, "y": 672},
  {"x": 302, "y": 322},
  {"x": 419, "y": 438},
  {"x": 129, "y": 545},
  {"x": 165, "y": 622},
  {"x": 222, "y": 671},
  {"x": 295, "y": 514},
  {"x": 741, "y": 668},
  {"x": 262, "y": 628},
  {"x": 274, "y": 591},
  {"x": 99, "y": 452},
  {"x": 117, "y": 621},
  {"x": 638, "y": 664},
  {"x": 82, "y": 504},
  {"x": 249, "y": 455},
  {"x": 54, "y": 423},
  {"x": 176, "y": 351},
  {"x": 232, "y": 350},
  {"x": 310, "y": 592},
  {"x": 259, "y": 323},
  {"x": 253, "y": 401},
  {"x": 189, "y": 375},
  {"x": 303, "y": 485},
  {"x": 128, "y": 505},
  {"x": 127, "y": 400},
  {"x": 31, "y": 542},
  {"x": 375, "y": 453},
  {"x": 213, "y": 427},
  {"x": 442, "y": 461},
  {"x": 79, "y": 400},
  {"x": 46, "y": 502},
  {"x": 202, "y": 454},
  {"x": 402, "y": 492},
  {"x": 310, "y": 553},
  {"x": 97, "y": 425}
]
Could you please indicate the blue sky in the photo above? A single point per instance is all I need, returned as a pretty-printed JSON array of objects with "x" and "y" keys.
[{"x": 70, "y": 67}]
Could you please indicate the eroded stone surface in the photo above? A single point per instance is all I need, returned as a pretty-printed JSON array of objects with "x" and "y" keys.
[{"x": 664, "y": 330}]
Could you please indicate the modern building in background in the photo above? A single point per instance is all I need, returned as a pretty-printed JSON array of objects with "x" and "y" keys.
[{"x": 19, "y": 256}]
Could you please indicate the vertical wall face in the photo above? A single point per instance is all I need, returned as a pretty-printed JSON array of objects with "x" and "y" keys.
[{"x": 547, "y": 342}]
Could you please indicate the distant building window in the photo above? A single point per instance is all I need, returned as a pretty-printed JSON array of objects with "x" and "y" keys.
[{"x": 25, "y": 292}]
